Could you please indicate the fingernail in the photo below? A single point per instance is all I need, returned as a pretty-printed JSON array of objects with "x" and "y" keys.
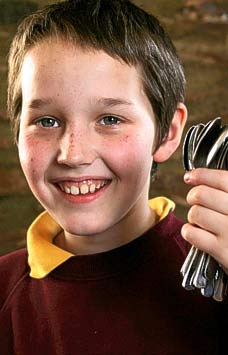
[{"x": 187, "y": 177}]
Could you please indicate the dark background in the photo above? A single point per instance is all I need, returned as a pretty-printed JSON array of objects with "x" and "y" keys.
[{"x": 199, "y": 30}]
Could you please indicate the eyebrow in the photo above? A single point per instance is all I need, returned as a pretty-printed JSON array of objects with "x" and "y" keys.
[
  {"x": 105, "y": 101},
  {"x": 38, "y": 103},
  {"x": 111, "y": 102}
]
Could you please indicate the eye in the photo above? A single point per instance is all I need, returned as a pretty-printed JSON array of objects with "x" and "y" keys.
[
  {"x": 109, "y": 120},
  {"x": 48, "y": 122}
]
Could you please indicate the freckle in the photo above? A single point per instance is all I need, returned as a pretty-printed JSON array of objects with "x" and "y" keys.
[
  {"x": 31, "y": 159},
  {"x": 72, "y": 138}
]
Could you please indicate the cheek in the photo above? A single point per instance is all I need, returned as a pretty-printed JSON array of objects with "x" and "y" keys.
[
  {"x": 129, "y": 156},
  {"x": 33, "y": 158}
]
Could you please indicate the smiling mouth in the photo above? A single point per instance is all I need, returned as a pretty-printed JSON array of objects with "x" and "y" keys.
[{"x": 82, "y": 188}]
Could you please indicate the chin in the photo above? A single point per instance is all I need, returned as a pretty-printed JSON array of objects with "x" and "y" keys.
[{"x": 85, "y": 229}]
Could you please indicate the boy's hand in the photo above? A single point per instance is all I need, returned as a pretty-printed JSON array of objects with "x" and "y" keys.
[{"x": 208, "y": 216}]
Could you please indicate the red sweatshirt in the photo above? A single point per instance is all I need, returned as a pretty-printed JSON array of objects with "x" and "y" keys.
[{"x": 125, "y": 301}]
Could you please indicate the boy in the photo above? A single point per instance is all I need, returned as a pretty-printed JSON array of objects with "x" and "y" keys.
[{"x": 95, "y": 96}]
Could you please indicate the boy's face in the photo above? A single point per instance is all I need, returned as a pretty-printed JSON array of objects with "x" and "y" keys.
[{"x": 85, "y": 123}]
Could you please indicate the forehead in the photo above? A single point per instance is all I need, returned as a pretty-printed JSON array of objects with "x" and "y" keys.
[
  {"x": 56, "y": 59},
  {"x": 64, "y": 71}
]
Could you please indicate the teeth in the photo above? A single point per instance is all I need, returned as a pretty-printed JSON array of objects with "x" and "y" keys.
[
  {"x": 92, "y": 188},
  {"x": 67, "y": 190},
  {"x": 74, "y": 190},
  {"x": 62, "y": 187},
  {"x": 84, "y": 189}
]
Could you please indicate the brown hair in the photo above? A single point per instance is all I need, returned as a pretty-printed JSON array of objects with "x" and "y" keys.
[{"x": 122, "y": 30}]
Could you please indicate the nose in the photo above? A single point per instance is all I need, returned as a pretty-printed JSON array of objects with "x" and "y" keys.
[{"x": 75, "y": 149}]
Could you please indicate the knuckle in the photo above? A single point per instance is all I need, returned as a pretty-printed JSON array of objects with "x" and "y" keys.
[
  {"x": 199, "y": 174},
  {"x": 225, "y": 183},
  {"x": 195, "y": 195},
  {"x": 184, "y": 231},
  {"x": 193, "y": 213},
  {"x": 187, "y": 232}
]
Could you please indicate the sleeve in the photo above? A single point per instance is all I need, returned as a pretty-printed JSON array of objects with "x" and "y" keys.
[{"x": 13, "y": 268}]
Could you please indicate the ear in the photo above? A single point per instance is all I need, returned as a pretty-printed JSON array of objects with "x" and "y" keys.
[{"x": 172, "y": 140}]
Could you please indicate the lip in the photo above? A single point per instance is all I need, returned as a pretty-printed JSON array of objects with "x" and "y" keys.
[
  {"x": 81, "y": 199},
  {"x": 79, "y": 179}
]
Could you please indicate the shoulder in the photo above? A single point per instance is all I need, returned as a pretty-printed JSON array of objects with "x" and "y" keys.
[
  {"x": 13, "y": 262},
  {"x": 13, "y": 268},
  {"x": 177, "y": 224},
  {"x": 169, "y": 230}
]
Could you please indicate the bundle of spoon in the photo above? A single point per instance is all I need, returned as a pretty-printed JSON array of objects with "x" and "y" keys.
[{"x": 205, "y": 145}]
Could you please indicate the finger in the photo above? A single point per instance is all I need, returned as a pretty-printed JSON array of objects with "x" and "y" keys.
[
  {"x": 209, "y": 220},
  {"x": 217, "y": 179},
  {"x": 207, "y": 242},
  {"x": 200, "y": 238},
  {"x": 208, "y": 197}
]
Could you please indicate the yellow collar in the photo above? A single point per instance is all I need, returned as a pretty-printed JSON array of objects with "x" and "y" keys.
[{"x": 44, "y": 256}]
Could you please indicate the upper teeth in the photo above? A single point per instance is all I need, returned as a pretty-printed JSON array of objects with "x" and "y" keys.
[
  {"x": 74, "y": 190},
  {"x": 83, "y": 189}
]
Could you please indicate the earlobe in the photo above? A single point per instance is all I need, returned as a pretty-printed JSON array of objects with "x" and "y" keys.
[{"x": 172, "y": 141}]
